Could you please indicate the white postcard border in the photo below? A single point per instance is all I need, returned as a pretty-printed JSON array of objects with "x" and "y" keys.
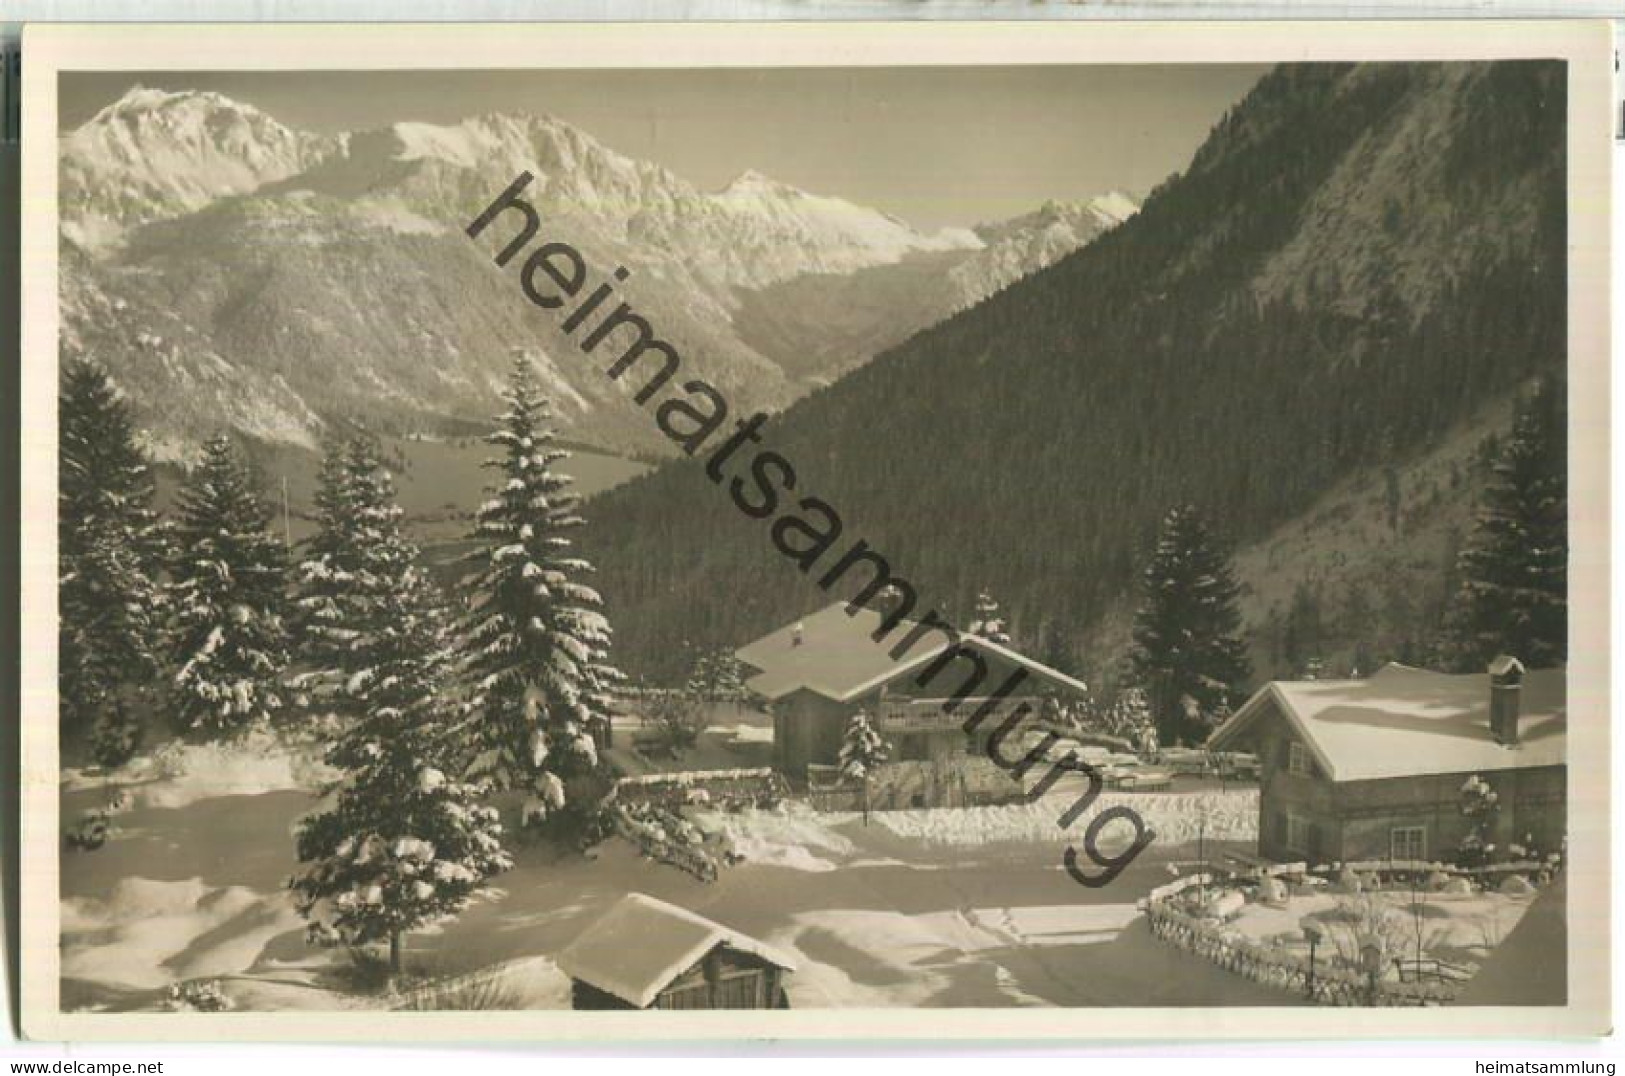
[{"x": 1587, "y": 46}]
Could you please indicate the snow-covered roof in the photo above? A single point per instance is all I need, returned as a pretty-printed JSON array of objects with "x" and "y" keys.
[
  {"x": 1506, "y": 665},
  {"x": 1404, "y": 722},
  {"x": 635, "y": 950},
  {"x": 838, "y": 657}
]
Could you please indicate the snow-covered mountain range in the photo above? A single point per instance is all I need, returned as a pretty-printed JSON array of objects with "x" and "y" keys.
[
  {"x": 154, "y": 154},
  {"x": 228, "y": 268},
  {"x": 1014, "y": 248}
]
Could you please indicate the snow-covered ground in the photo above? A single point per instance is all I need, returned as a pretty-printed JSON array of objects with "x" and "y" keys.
[
  {"x": 191, "y": 885},
  {"x": 735, "y": 738},
  {"x": 177, "y": 775},
  {"x": 795, "y": 837},
  {"x": 1459, "y": 928},
  {"x": 870, "y": 958}
]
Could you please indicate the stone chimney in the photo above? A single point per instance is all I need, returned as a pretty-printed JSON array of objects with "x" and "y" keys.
[{"x": 1506, "y": 699}]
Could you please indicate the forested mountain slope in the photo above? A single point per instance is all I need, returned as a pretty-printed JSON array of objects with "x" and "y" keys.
[{"x": 1358, "y": 260}]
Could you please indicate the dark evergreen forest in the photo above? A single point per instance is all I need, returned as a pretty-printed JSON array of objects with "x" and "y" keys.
[{"x": 1029, "y": 445}]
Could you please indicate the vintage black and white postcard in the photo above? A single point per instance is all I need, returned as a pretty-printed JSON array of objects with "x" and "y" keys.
[{"x": 816, "y": 530}]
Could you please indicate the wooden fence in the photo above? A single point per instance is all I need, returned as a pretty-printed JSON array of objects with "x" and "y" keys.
[
  {"x": 1290, "y": 971},
  {"x": 1389, "y": 870},
  {"x": 1388, "y": 873},
  {"x": 833, "y": 800},
  {"x": 899, "y": 714},
  {"x": 1287, "y": 971},
  {"x": 756, "y": 786}
]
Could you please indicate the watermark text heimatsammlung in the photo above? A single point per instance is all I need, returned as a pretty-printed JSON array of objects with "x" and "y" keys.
[{"x": 1542, "y": 1068}]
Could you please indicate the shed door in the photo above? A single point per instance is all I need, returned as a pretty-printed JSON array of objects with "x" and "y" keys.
[
  {"x": 688, "y": 997},
  {"x": 741, "y": 990},
  {"x": 735, "y": 990}
]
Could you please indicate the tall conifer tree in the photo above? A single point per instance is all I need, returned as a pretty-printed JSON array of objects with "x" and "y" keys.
[
  {"x": 229, "y": 640},
  {"x": 358, "y": 573},
  {"x": 536, "y": 637},
  {"x": 404, "y": 845},
  {"x": 1187, "y": 653},
  {"x": 1514, "y": 568},
  {"x": 110, "y": 554},
  {"x": 717, "y": 679}
]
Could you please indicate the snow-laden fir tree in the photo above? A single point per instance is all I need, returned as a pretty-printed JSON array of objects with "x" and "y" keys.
[
  {"x": 356, "y": 572},
  {"x": 862, "y": 749},
  {"x": 716, "y": 679},
  {"x": 536, "y": 638},
  {"x": 987, "y": 622},
  {"x": 681, "y": 715},
  {"x": 1187, "y": 653},
  {"x": 228, "y": 573},
  {"x": 1130, "y": 715},
  {"x": 110, "y": 552},
  {"x": 1480, "y": 805},
  {"x": 405, "y": 845},
  {"x": 1514, "y": 568}
]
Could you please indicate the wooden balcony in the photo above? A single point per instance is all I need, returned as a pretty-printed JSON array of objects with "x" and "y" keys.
[{"x": 901, "y": 715}]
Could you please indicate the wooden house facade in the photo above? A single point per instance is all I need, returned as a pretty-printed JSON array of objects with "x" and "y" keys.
[
  {"x": 816, "y": 673},
  {"x": 1375, "y": 768}
]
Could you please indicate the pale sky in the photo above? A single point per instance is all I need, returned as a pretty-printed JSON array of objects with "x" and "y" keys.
[{"x": 933, "y": 146}]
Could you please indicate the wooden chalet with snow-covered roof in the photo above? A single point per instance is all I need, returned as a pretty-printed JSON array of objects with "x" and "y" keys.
[
  {"x": 816, "y": 672},
  {"x": 646, "y": 954},
  {"x": 1374, "y": 768}
]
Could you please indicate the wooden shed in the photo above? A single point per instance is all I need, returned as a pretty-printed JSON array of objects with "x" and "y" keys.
[{"x": 646, "y": 954}]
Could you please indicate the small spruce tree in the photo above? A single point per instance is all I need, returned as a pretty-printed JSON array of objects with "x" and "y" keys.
[
  {"x": 228, "y": 572},
  {"x": 405, "y": 847},
  {"x": 110, "y": 553},
  {"x": 987, "y": 622},
  {"x": 1131, "y": 713},
  {"x": 537, "y": 641},
  {"x": 862, "y": 749},
  {"x": 1480, "y": 805},
  {"x": 1187, "y": 652},
  {"x": 717, "y": 678}
]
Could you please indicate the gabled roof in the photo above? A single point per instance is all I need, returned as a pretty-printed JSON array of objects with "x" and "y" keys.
[
  {"x": 1404, "y": 722},
  {"x": 635, "y": 950},
  {"x": 839, "y": 659}
]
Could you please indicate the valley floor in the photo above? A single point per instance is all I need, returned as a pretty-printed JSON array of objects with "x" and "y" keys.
[{"x": 191, "y": 886}]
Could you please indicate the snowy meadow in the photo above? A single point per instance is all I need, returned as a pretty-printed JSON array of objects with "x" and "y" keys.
[{"x": 919, "y": 908}]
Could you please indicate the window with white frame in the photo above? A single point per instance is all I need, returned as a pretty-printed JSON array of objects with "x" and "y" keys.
[
  {"x": 1298, "y": 761},
  {"x": 1298, "y": 831},
  {"x": 1408, "y": 842}
]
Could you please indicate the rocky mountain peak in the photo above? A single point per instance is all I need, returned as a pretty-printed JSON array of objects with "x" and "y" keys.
[{"x": 155, "y": 154}]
